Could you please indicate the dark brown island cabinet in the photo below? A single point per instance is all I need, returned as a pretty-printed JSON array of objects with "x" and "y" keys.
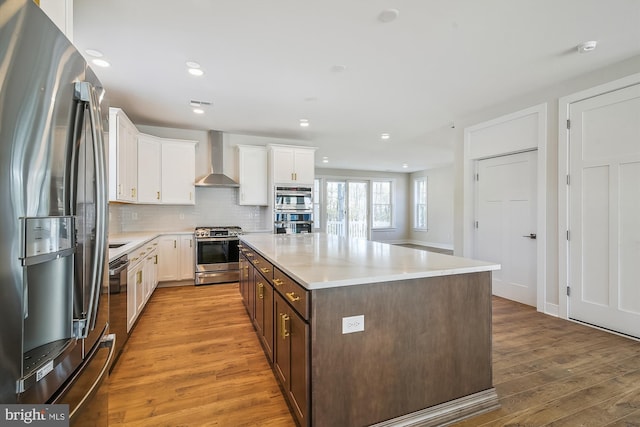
[{"x": 362, "y": 333}]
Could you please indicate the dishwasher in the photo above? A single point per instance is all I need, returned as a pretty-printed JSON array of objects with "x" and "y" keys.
[{"x": 118, "y": 303}]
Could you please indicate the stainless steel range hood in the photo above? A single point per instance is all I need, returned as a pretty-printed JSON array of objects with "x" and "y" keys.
[{"x": 216, "y": 150}]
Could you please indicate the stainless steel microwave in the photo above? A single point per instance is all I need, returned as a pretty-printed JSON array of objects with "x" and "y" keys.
[{"x": 293, "y": 199}]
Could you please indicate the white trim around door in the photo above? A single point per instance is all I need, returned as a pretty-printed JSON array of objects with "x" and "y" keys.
[
  {"x": 520, "y": 131},
  {"x": 564, "y": 110}
]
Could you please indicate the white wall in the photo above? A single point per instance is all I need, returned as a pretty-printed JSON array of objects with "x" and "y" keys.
[
  {"x": 440, "y": 191},
  {"x": 550, "y": 96}
]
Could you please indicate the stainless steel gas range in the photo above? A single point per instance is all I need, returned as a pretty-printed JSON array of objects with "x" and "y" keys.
[{"x": 217, "y": 255}]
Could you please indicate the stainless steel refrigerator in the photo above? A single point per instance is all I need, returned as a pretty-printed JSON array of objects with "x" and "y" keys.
[{"x": 54, "y": 346}]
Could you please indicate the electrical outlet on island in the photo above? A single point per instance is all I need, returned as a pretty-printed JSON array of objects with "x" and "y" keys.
[{"x": 353, "y": 324}]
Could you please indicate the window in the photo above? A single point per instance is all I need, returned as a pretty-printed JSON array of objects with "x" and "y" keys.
[
  {"x": 316, "y": 203},
  {"x": 420, "y": 197},
  {"x": 381, "y": 204}
]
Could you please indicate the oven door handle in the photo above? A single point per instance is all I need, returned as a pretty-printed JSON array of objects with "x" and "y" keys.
[{"x": 216, "y": 239}]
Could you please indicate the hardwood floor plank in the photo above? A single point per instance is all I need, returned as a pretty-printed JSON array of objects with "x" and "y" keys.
[
  {"x": 194, "y": 359},
  {"x": 609, "y": 411},
  {"x": 549, "y": 370},
  {"x": 632, "y": 420}
]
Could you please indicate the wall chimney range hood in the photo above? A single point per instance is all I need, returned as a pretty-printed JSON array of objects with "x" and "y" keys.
[{"x": 216, "y": 151}]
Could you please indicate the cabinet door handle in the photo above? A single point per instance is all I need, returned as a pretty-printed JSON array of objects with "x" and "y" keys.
[
  {"x": 156, "y": 260},
  {"x": 265, "y": 270},
  {"x": 139, "y": 277},
  {"x": 175, "y": 244},
  {"x": 292, "y": 296},
  {"x": 158, "y": 196},
  {"x": 260, "y": 290},
  {"x": 278, "y": 282},
  {"x": 283, "y": 326}
]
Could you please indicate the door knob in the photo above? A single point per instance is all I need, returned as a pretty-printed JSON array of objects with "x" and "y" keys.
[{"x": 531, "y": 236}]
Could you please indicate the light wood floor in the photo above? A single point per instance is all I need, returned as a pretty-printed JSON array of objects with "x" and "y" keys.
[{"x": 194, "y": 360}]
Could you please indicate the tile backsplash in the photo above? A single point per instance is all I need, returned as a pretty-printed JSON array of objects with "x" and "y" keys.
[{"x": 214, "y": 207}]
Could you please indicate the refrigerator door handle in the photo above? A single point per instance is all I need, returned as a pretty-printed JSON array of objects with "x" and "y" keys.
[
  {"x": 87, "y": 93},
  {"x": 107, "y": 341}
]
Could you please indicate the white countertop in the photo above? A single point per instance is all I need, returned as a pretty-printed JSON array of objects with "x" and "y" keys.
[
  {"x": 318, "y": 260},
  {"x": 135, "y": 240}
]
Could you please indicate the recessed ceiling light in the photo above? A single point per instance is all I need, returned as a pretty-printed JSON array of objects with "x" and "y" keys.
[
  {"x": 192, "y": 64},
  {"x": 404, "y": 166},
  {"x": 304, "y": 123},
  {"x": 198, "y": 110},
  {"x": 587, "y": 46},
  {"x": 100, "y": 62},
  {"x": 196, "y": 72},
  {"x": 385, "y": 136},
  {"x": 94, "y": 53},
  {"x": 388, "y": 15}
]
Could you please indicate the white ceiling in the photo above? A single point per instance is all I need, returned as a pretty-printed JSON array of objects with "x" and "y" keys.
[{"x": 270, "y": 63}]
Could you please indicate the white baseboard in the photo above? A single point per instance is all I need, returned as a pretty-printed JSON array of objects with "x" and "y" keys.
[{"x": 552, "y": 309}]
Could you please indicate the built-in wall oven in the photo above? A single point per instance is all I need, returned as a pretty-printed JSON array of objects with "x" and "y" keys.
[
  {"x": 293, "y": 210},
  {"x": 217, "y": 257}
]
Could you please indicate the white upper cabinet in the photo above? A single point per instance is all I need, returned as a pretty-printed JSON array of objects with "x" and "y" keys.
[
  {"x": 61, "y": 13},
  {"x": 178, "y": 172},
  {"x": 123, "y": 157},
  {"x": 149, "y": 169},
  {"x": 292, "y": 165},
  {"x": 252, "y": 170}
]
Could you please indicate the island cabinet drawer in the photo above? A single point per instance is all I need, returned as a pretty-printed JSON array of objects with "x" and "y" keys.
[
  {"x": 263, "y": 266},
  {"x": 292, "y": 292}
]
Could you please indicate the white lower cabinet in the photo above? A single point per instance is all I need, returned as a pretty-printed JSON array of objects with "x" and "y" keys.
[
  {"x": 142, "y": 278},
  {"x": 134, "y": 284},
  {"x": 151, "y": 270},
  {"x": 176, "y": 257},
  {"x": 187, "y": 253}
]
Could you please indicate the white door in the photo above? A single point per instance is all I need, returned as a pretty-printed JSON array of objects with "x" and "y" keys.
[
  {"x": 347, "y": 209},
  {"x": 506, "y": 223},
  {"x": 604, "y": 211}
]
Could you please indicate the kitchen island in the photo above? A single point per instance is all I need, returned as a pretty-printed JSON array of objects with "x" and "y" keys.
[{"x": 365, "y": 333}]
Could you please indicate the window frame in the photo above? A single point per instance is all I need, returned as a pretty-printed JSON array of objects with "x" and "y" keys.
[
  {"x": 391, "y": 204},
  {"x": 417, "y": 206}
]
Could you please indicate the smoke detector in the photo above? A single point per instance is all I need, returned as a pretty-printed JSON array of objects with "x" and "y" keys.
[{"x": 587, "y": 46}]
